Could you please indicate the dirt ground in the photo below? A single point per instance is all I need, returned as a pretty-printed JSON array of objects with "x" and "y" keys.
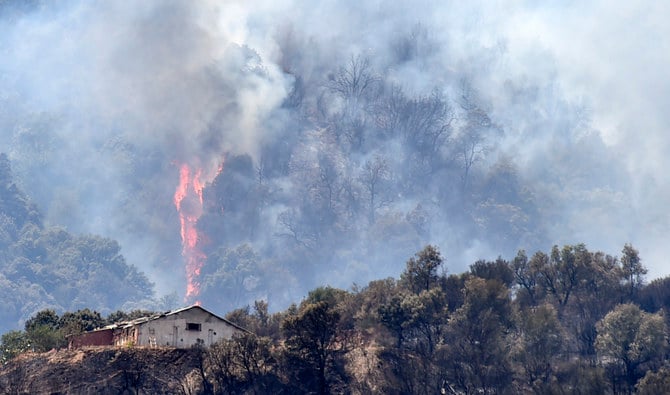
[{"x": 104, "y": 370}]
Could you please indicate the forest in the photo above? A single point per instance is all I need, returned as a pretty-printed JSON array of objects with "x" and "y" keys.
[
  {"x": 327, "y": 156},
  {"x": 570, "y": 321},
  {"x": 324, "y": 144}
]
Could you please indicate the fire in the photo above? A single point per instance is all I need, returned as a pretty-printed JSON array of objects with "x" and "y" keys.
[{"x": 188, "y": 201}]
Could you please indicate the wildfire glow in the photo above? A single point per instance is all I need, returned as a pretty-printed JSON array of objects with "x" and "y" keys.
[{"x": 188, "y": 201}]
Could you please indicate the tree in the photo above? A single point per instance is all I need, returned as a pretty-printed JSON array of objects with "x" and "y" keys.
[
  {"x": 393, "y": 316},
  {"x": 356, "y": 81},
  {"x": 44, "y": 338},
  {"x": 418, "y": 322},
  {"x": 633, "y": 270},
  {"x": 374, "y": 177},
  {"x": 630, "y": 341},
  {"x": 470, "y": 142},
  {"x": 563, "y": 272},
  {"x": 236, "y": 277},
  {"x": 80, "y": 321},
  {"x": 655, "y": 295},
  {"x": 477, "y": 357},
  {"x": 356, "y": 88},
  {"x": 421, "y": 271},
  {"x": 527, "y": 277},
  {"x": 313, "y": 352},
  {"x": 413, "y": 45},
  {"x": 498, "y": 270},
  {"x": 422, "y": 123},
  {"x": 244, "y": 364},
  {"x": 654, "y": 382},
  {"x": 47, "y": 318},
  {"x": 222, "y": 371},
  {"x": 598, "y": 292},
  {"x": 12, "y": 344},
  {"x": 540, "y": 341}
]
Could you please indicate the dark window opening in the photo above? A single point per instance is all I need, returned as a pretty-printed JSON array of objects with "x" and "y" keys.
[{"x": 191, "y": 326}]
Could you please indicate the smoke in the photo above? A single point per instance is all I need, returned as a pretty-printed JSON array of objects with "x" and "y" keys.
[
  {"x": 133, "y": 91},
  {"x": 100, "y": 102}
]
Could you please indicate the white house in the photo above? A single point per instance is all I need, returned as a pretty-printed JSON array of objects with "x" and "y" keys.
[{"x": 181, "y": 328}]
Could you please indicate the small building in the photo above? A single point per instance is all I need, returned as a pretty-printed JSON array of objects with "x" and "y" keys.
[
  {"x": 98, "y": 337},
  {"x": 181, "y": 328}
]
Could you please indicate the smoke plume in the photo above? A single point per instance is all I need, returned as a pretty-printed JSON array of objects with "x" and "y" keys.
[{"x": 482, "y": 127}]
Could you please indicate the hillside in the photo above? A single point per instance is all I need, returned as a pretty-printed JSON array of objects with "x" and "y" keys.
[
  {"x": 284, "y": 161},
  {"x": 572, "y": 321},
  {"x": 44, "y": 266},
  {"x": 316, "y": 156},
  {"x": 103, "y": 371}
]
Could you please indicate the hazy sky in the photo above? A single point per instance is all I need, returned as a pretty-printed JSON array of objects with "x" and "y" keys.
[{"x": 560, "y": 76}]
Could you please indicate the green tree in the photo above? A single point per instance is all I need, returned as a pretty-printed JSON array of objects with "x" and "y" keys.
[
  {"x": 12, "y": 344},
  {"x": 655, "y": 295},
  {"x": 598, "y": 292},
  {"x": 527, "y": 277},
  {"x": 370, "y": 299},
  {"x": 48, "y": 318},
  {"x": 238, "y": 276},
  {"x": 244, "y": 364},
  {"x": 629, "y": 342},
  {"x": 632, "y": 270},
  {"x": 313, "y": 352},
  {"x": 393, "y": 315},
  {"x": 477, "y": 352},
  {"x": 562, "y": 275},
  {"x": 421, "y": 271},
  {"x": 81, "y": 321},
  {"x": 498, "y": 270},
  {"x": 418, "y": 323},
  {"x": 654, "y": 382},
  {"x": 581, "y": 378},
  {"x": 541, "y": 339},
  {"x": 44, "y": 338}
]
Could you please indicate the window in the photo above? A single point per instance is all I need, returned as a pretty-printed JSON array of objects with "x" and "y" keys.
[{"x": 191, "y": 326}]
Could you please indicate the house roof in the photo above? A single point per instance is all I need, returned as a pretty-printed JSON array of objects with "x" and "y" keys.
[
  {"x": 195, "y": 306},
  {"x": 142, "y": 320}
]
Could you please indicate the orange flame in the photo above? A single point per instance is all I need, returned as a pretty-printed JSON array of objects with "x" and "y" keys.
[{"x": 188, "y": 201}]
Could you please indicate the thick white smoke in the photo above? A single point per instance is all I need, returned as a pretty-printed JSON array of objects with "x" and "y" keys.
[{"x": 98, "y": 100}]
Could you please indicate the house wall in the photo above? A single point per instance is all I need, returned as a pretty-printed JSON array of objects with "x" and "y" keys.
[
  {"x": 125, "y": 336},
  {"x": 95, "y": 338},
  {"x": 172, "y": 330}
]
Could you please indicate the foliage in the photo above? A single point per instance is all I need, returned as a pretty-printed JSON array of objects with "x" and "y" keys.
[
  {"x": 654, "y": 382},
  {"x": 539, "y": 344},
  {"x": 544, "y": 325},
  {"x": 49, "y": 268},
  {"x": 243, "y": 364},
  {"x": 314, "y": 349},
  {"x": 499, "y": 270},
  {"x": 421, "y": 272},
  {"x": 629, "y": 342},
  {"x": 81, "y": 321},
  {"x": 632, "y": 269},
  {"x": 13, "y": 343},
  {"x": 477, "y": 350},
  {"x": 368, "y": 158}
]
